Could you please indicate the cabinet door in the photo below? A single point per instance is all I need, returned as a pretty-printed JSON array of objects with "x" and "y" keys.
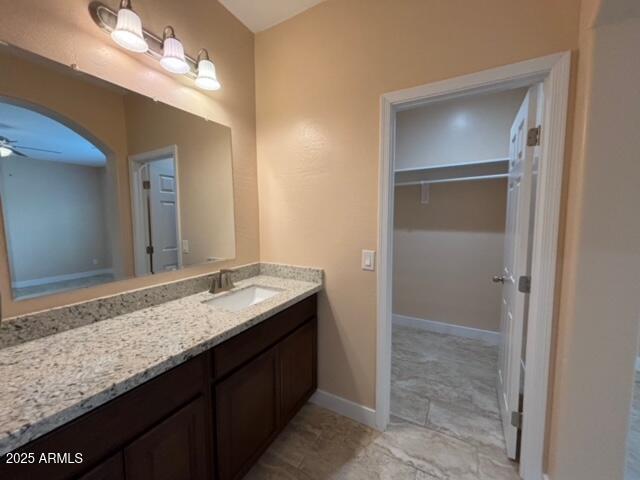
[
  {"x": 111, "y": 469},
  {"x": 246, "y": 414},
  {"x": 298, "y": 369},
  {"x": 176, "y": 449}
]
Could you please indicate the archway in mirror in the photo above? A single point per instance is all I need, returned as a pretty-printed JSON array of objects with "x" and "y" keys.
[{"x": 54, "y": 187}]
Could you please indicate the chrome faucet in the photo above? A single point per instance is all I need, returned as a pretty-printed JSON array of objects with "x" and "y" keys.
[{"x": 222, "y": 281}]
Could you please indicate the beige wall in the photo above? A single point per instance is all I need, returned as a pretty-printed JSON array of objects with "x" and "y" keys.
[
  {"x": 319, "y": 77},
  {"x": 462, "y": 130},
  {"x": 446, "y": 251},
  {"x": 600, "y": 304},
  {"x": 65, "y": 32}
]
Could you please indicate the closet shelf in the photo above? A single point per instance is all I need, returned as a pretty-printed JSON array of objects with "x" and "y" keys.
[{"x": 483, "y": 170}]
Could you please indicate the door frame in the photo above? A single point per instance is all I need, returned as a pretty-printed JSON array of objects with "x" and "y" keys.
[
  {"x": 555, "y": 71},
  {"x": 137, "y": 207}
]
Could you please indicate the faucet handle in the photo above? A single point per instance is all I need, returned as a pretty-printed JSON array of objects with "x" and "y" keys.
[{"x": 225, "y": 278}]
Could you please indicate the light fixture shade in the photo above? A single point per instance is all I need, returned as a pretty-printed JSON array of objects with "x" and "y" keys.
[
  {"x": 207, "y": 78},
  {"x": 173, "y": 56},
  {"x": 5, "y": 151},
  {"x": 128, "y": 31}
]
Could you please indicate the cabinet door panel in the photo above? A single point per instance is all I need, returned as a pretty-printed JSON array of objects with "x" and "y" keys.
[
  {"x": 110, "y": 469},
  {"x": 176, "y": 449},
  {"x": 246, "y": 414},
  {"x": 298, "y": 371}
]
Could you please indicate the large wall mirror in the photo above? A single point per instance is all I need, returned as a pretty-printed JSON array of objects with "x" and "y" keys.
[{"x": 100, "y": 184}]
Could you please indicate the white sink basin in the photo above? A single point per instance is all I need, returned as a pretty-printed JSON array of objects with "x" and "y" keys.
[{"x": 246, "y": 297}]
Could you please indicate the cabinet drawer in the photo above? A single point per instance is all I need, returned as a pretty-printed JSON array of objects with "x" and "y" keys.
[
  {"x": 108, "y": 428},
  {"x": 241, "y": 348}
]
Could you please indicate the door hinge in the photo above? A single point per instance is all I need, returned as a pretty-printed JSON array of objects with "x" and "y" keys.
[
  {"x": 146, "y": 185},
  {"x": 516, "y": 419},
  {"x": 524, "y": 284},
  {"x": 150, "y": 249},
  {"x": 533, "y": 136}
]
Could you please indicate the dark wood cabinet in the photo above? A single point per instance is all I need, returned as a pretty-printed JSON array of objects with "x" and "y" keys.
[
  {"x": 110, "y": 469},
  {"x": 255, "y": 402},
  {"x": 247, "y": 411},
  {"x": 208, "y": 418},
  {"x": 298, "y": 371},
  {"x": 173, "y": 450},
  {"x": 106, "y": 430}
]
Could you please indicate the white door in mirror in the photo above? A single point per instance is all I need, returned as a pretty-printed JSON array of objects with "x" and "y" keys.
[{"x": 368, "y": 260}]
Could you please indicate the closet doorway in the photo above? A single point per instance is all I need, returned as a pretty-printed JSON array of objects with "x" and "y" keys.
[{"x": 470, "y": 191}]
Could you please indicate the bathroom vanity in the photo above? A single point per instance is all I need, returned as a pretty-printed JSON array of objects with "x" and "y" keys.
[
  {"x": 205, "y": 403},
  {"x": 164, "y": 382}
]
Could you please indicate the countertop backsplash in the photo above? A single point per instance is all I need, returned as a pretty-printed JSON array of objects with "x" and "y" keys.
[{"x": 25, "y": 328}]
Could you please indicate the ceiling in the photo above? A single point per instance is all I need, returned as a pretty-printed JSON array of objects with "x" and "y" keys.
[
  {"x": 27, "y": 128},
  {"x": 259, "y": 15}
]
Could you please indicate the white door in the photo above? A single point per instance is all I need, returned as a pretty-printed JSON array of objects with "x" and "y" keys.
[
  {"x": 163, "y": 216},
  {"x": 516, "y": 266}
]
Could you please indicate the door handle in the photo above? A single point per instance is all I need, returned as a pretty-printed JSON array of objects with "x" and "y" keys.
[{"x": 498, "y": 279}]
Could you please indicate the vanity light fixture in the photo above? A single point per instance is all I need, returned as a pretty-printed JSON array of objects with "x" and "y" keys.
[
  {"x": 125, "y": 28},
  {"x": 173, "y": 53},
  {"x": 207, "y": 78},
  {"x": 128, "y": 31}
]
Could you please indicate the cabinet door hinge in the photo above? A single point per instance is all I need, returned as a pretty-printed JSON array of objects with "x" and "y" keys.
[
  {"x": 533, "y": 136},
  {"x": 516, "y": 419},
  {"x": 150, "y": 249},
  {"x": 146, "y": 185}
]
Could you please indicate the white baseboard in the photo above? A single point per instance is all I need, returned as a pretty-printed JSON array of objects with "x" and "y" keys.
[
  {"x": 344, "y": 407},
  {"x": 492, "y": 338},
  {"x": 60, "y": 278}
]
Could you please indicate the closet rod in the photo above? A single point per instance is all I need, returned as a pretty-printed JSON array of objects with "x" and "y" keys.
[{"x": 449, "y": 180}]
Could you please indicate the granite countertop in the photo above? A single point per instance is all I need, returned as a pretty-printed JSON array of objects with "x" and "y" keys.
[{"x": 50, "y": 381}]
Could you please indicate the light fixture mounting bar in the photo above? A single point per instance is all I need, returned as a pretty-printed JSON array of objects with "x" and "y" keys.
[{"x": 106, "y": 18}]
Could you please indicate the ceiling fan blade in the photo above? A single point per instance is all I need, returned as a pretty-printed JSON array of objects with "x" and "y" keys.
[
  {"x": 18, "y": 153},
  {"x": 37, "y": 149}
]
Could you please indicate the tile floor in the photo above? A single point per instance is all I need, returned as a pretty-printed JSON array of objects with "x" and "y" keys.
[
  {"x": 445, "y": 422},
  {"x": 633, "y": 443}
]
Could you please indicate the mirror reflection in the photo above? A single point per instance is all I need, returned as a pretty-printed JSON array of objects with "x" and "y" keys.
[{"x": 100, "y": 184}]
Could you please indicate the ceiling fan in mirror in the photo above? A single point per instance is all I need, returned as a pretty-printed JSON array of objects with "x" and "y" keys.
[{"x": 10, "y": 147}]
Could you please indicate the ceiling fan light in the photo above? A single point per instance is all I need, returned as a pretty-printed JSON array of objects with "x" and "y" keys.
[
  {"x": 128, "y": 31},
  {"x": 173, "y": 59},
  {"x": 5, "y": 151}
]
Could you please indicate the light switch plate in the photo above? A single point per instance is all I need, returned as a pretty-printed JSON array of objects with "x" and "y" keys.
[
  {"x": 185, "y": 246},
  {"x": 369, "y": 260}
]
